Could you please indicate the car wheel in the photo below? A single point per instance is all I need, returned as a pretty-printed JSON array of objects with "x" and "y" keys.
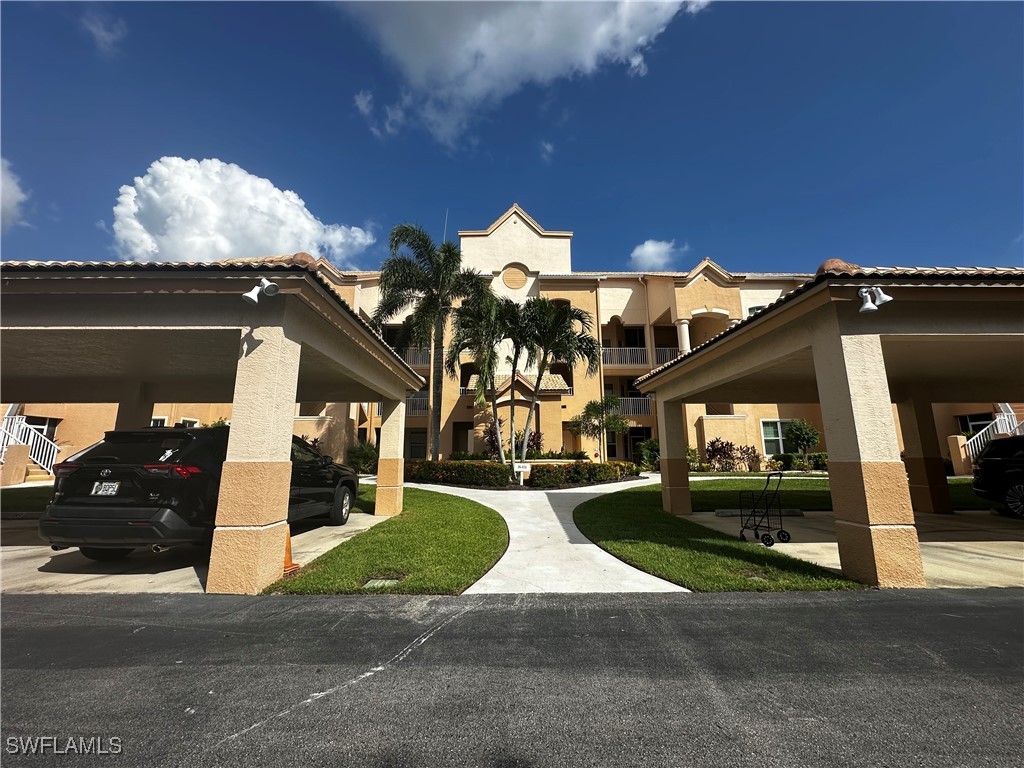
[
  {"x": 104, "y": 555},
  {"x": 1015, "y": 499},
  {"x": 342, "y": 507}
]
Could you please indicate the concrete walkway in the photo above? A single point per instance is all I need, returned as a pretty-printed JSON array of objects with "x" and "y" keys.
[{"x": 546, "y": 552}]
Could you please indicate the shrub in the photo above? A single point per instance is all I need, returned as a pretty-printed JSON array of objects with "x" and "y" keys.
[
  {"x": 818, "y": 460},
  {"x": 472, "y": 473},
  {"x": 721, "y": 455},
  {"x": 362, "y": 457},
  {"x": 492, "y": 438},
  {"x": 580, "y": 472},
  {"x": 463, "y": 456},
  {"x": 751, "y": 457},
  {"x": 534, "y": 445},
  {"x": 625, "y": 469},
  {"x": 693, "y": 459},
  {"x": 802, "y": 435},
  {"x": 786, "y": 461},
  {"x": 647, "y": 453}
]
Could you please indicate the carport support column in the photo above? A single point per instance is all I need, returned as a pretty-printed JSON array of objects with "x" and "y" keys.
[
  {"x": 929, "y": 491},
  {"x": 675, "y": 470},
  {"x": 252, "y": 509},
  {"x": 874, "y": 520},
  {"x": 391, "y": 461},
  {"x": 134, "y": 409}
]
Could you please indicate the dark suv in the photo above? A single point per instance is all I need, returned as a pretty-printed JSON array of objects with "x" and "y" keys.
[
  {"x": 999, "y": 473},
  {"x": 158, "y": 488}
]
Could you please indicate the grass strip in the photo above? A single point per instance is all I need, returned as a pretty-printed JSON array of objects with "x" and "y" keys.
[
  {"x": 631, "y": 525},
  {"x": 439, "y": 545}
]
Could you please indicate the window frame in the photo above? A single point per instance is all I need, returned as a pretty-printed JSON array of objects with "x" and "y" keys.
[{"x": 781, "y": 438}]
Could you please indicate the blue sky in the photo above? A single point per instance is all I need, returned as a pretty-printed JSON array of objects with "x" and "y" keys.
[{"x": 765, "y": 136}]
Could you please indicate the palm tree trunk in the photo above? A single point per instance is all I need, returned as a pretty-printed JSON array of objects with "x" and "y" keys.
[
  {"x": 438, "y": 374},
  {"x": 512, "y": 404},
  {"x": 541, "y": 367},
  {"x": 497, "y": 427}
]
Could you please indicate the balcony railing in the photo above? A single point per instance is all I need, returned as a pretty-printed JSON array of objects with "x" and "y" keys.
[
  {"x": 466, "y": 391},
  {"x": 664, "y": 355},
  {"x": 633, "y": 356},
  {"x": 417, "y": 405},
  {"x": 417, "y": 357},
  {"x": 634, "y": 406}
]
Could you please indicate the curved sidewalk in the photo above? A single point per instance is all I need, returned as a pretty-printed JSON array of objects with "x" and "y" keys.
[{"x": 546, "y": 551}]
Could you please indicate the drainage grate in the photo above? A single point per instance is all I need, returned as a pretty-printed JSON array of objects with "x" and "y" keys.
[{"x": 374, "y": 583}]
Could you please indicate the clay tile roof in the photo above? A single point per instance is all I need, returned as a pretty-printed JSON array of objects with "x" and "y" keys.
[{"x": 550, "y": 381}]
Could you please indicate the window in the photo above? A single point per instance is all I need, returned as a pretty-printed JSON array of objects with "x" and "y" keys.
[
  {"x": 416, "y": 443},
  {"x": 158, "y": 421},
  {"x": 771, "y": 437},
  {"x": 634, "y": 337},
  {"x": 973, "y": 423},
  {"x": 303, "y": 452},
  {"x": 188, "y": 423},
  {"x": 612, "y": 445}
]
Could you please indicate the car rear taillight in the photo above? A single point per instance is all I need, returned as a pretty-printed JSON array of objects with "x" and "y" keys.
[
  {"x": 65, "y": 468},
  {"x": 170, "y": 470}
]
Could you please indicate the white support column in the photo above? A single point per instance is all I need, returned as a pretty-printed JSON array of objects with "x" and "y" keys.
[
  {"x": 252, "y": 508},
  {"x": 675, "y": 470},
  {"x": 683, "y": 331},
  {"x": 391, "y": 464}
]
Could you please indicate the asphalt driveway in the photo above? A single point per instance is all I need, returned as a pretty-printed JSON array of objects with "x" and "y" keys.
[{"x": 898, "y": 678}]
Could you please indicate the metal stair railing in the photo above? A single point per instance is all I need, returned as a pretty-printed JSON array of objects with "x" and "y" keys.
[
  {"x": 1004, "y": 423},
  {"x": 41, "y": 449}
]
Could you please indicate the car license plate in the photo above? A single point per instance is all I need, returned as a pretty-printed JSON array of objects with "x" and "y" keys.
[{"x": 105, "y": 489}]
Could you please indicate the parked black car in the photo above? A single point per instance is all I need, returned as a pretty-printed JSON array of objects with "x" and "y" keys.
[
  {"x": 158, "y": 487},
  {"x": 999, "y": 473}
]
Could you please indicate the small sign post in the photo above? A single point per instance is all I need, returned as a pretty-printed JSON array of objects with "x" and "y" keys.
[{"x": 520, "y": 469}]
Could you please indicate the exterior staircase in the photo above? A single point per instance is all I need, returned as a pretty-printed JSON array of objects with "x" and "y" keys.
[
  {"x": 36, "y": 473},
  {"x": 1009, "y": 420}
]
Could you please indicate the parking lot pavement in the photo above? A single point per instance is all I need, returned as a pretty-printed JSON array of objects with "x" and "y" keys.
[
  {"x": 965, "y": 549},
  {"x": 866, "y": 679},
  {"x": 28, "y": 565}
]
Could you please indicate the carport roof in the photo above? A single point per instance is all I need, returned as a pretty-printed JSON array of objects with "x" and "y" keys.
[
  {"x": 854, "y": 272},
  {"x": 294, "y": 262}
]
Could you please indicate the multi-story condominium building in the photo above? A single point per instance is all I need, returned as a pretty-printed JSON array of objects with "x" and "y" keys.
[{"x": 641, "y": 320}]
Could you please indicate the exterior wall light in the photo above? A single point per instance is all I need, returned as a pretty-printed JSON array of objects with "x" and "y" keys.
[
  {"x": 265, "y": 287},
  {"x": 869, "y": 305}
]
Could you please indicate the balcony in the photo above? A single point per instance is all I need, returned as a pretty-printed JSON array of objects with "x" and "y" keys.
[
  {"x": 635, "y": 357},
  {"x": 634, "y": 406},
  {"x": 417, "y": 357},
  {"x": 417, "y": 405},
  {"x": 664, "y": 355}
]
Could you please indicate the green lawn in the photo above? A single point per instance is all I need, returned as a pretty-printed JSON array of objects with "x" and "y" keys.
[
  {"x": 632, "y": 526},
  {"x": 16, "y": 501},
  {"x": 439, "y": 545}
]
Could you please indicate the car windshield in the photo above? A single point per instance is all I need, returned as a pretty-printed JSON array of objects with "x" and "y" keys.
[
  {"x": 1006, "y": 448},
  {"x": 135, "y": 449}
]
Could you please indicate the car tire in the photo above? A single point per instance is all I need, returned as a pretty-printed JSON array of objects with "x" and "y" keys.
[
  {"x": 1014, "y": 499},
  {"x": 342, "y": 506},
  {"x": 103, "y": 555}
]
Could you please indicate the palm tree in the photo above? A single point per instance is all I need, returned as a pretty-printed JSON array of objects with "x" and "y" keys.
[
  {"x": 560, "y": 333},
  {"x": 431, "y": 279},
  {"x": 478, "y": 330},
  {"x": 519, "y": 332}
]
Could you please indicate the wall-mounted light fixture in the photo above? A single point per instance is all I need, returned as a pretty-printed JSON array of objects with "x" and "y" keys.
[
  {"x": 265, "y": 287},
  {"x": 879, "y": 296}
]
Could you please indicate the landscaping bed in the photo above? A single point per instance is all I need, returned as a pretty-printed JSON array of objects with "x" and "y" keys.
[
  {"x": 491, "y": 474},
  {"x": 439, "y": 545}
]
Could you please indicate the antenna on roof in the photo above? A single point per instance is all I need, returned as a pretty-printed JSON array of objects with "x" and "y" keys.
[{"x": 444, "y": 237}]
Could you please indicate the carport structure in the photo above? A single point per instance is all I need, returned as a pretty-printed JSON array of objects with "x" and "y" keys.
[
  {"x": 137, "y": 333},
  {"x": 949, "y": 335}
]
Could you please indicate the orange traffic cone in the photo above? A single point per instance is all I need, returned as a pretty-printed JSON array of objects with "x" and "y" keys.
[{"x": 290, "y": 567}]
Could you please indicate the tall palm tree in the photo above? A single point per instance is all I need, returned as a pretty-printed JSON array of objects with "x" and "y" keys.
[
  {"x": 519, "y": 331},
  {"x": 560, "y": 333},
  {"x": 431, "y": 279},
  {"x": 478, "y": 330}
]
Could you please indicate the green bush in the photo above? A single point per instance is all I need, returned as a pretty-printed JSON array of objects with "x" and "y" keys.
[
  {"x": 693, "y": 459},
  {"x": 818, "y": 460},
  {"x": 362, "y": 457},
  {"x": 575, "y": 455},
  {"x": 786, "y": 461},
  {"x": 577, "y": 473},
  {"x": 472, "y": 473},
  {"x": 647, "y": 453},
  {"x": 625, "y": 469},
  {"x": 463, "y": 456}
]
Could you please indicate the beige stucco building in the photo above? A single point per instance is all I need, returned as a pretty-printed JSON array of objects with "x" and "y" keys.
[{"x": 642, "y": 321}]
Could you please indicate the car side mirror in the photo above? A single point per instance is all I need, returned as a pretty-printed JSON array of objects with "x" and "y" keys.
[{"x": 327, "y": 460}]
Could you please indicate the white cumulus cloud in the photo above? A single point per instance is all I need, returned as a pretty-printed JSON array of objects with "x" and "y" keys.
[
  {"x": 547, "y": 151},
  {"x": 11, "y": 197},
  {"x": 106, "y": 32},
  {"x": 207, "y": 210},
  {"x": 459, "y": 59},
  {"x": 656, "y": 255}
]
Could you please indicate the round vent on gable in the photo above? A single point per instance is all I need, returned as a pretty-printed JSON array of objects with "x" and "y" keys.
[{"x": 514, "y": 277}]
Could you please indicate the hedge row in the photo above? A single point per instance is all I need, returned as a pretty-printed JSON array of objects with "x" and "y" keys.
[
  {"x": 473, "y": 473},
  {"x": 579, "y": 473},
  {"x": 788, "y": 461}
]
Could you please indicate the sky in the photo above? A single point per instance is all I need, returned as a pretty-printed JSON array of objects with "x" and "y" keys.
[{"x": 764, "y": 136}]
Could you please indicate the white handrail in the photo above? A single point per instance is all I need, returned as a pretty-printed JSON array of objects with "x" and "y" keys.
[
  {"x": 41, "y": 449},
  {"x": 624, "y": 356},
  {"x": 664, "y": 355},
  {"x": 1004, "y": 423},
  {"x": 634, "y": 406}
]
